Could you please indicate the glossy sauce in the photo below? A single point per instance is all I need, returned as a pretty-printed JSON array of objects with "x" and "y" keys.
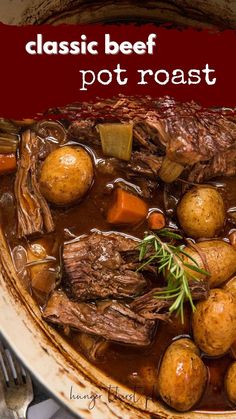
[{"x": 127, "y": 365}]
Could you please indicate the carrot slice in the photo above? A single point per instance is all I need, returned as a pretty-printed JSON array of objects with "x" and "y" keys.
[
  {"x": 7, "y": 163},
  {"x": 156, "y": 221},
  {"x": 126, "y": 208}
]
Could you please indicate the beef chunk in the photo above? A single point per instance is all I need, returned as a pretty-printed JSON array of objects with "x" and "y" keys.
[
  {"x": 99, "y": 266},
  {"x": 185, "y": 132},
  {"x": 221, "y": 165},
  {"x": 110, "y": 319},
  {"x": 93, "y": 347},
  {"x": 191, "y": 134}
]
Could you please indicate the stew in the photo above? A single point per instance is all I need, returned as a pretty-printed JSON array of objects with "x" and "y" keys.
[{"x": 132, "y": 258}]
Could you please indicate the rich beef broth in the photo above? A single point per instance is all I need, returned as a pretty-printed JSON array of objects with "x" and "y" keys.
[{"x": 122, "y": 362}]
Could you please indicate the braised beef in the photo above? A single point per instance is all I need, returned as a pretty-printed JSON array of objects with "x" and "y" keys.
[
  {"x": 98, "y": 266},
  {"x": 50, "y": 135},
  {"x": 33, "y": 213},
  {"x": 221, "y": 165},
  {"x": 93, "y": 347},
  {"x": 111, "y": 320},
  {"x": 187, "y": 133},
  {"x": 150, "y": 307},
  {"x": 141, "y": 170},
  {"x": 84, "y": 130},
  {"x": 147, "y": 137},
  {"x": 145, "y": 164}
]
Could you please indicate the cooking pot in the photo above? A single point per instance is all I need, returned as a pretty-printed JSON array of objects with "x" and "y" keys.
[{"x": 69, "y": 377}]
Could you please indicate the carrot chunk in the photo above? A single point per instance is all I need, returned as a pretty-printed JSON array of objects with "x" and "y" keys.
[
  {"x": 126, "y": 208},
  {"x": 7, "y": 163},
  {"x": 156, "y": 221}
]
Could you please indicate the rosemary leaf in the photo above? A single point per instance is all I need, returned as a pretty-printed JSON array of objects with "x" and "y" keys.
[
  {"x": 196, "y": 269},
  {"x": 169, "y": 233},
  {"x": 169, "y": 260}
]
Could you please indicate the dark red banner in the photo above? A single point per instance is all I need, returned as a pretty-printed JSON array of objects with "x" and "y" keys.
[{"x": 65, "y": 64}]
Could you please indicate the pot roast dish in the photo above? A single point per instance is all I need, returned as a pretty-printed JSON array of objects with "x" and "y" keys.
[{"x": 120, "y": 218}]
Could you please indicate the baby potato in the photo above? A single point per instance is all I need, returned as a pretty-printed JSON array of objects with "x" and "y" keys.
[
  {"x": 182, "y": 375},
  {"x": 230, "y": 383},
  {"x": 201, "y": 212},
  {"x": 220, "y": 258},
  {"x": 66, "y": 175},
  {"x": 145, "y": 379},
  {"x": 43, "y": 275},
  {"x": 214, "y": 323},
  {"x": 233, "y": 349},
  {"x": 230, "y": 287}
]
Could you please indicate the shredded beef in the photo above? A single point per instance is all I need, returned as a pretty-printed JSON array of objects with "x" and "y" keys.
[
  {"x": 98, "y": 266},
  {"x": 145, "y": 164},
  {"x": 187, "y": 133},
  {"x": 94, "y": 347},
  {"x": 150, "y": 307},
  {"x": 33, "y": 213},
  {"x": 111, "y": 320}
]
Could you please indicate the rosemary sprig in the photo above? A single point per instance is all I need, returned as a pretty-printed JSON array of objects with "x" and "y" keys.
[{"x": 170, "y": 262}]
